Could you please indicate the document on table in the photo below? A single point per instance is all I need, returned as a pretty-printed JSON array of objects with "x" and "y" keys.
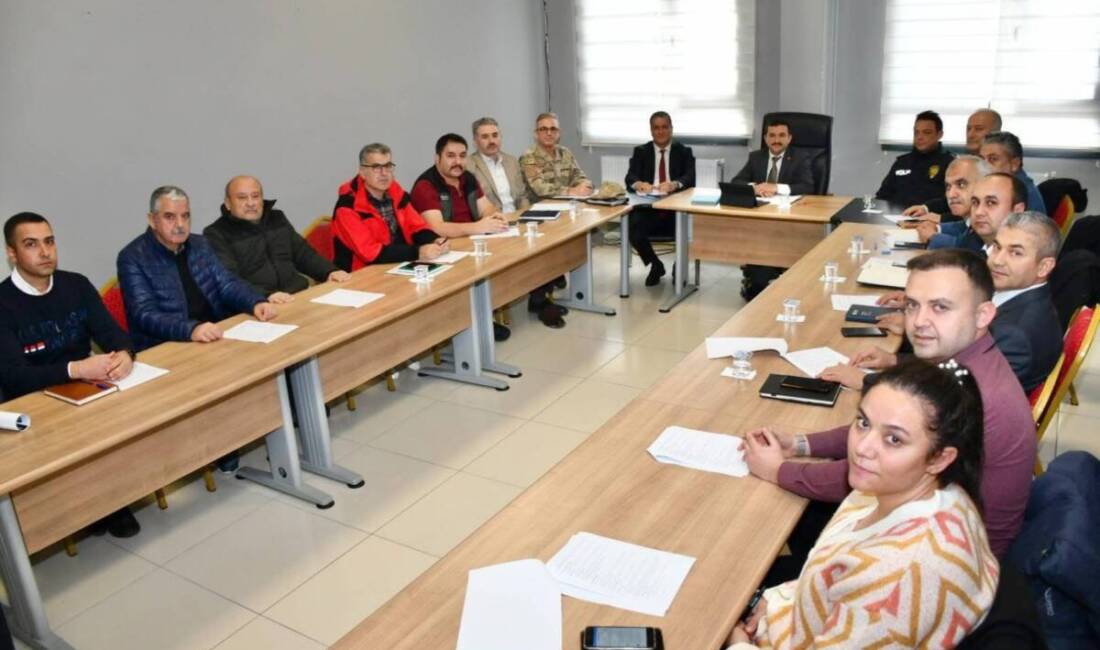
[
  {"x": 450, "y": 257},
  {"x": 141, "y": 373},
  {"x": 511, "y": 605},
  {"x": 883, "y": 275},
  {"x": 844, "y": 301},
  {"x": 14, "y": 421},
  {"x": 813, "y": 361},
  {"x": 778, "y": 200},
  {"x": 725, "y": 346},
  {"x": 607, "y": 571},
  {"x": 898, "y": 218},
  {"x": 710, "y": 452},
  {"x": 347, "y": 298},
  {"x": 254, "y": 331},
  {"x": 550, "y": 206},
  {"x": 706, "y": 196},
  {"x": 511, "y": 232},
  {"x": 902, "y": 235}
]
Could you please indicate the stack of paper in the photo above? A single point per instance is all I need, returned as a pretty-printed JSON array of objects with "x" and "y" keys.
[
  {"x": 254, "y": 331},
  {"x": 141, "y": 373},
  {"x": 710, "y": 452},
  {"x": 508, "y": 602},
  {"x": 898, "y": 235},
  {"x": 706, "y": 196},
  {"x": 843, "y": 302},
  {"x": 607, "y": 571},
  {"x": 347, "y": 298},
  {"x": 883, "y": 275},
  {"x": 511, "y": 232},
  {"x": 725, "y": 346}
]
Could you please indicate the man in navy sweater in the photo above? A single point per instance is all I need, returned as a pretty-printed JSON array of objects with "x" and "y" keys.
[{"x": 48, "y": 320}]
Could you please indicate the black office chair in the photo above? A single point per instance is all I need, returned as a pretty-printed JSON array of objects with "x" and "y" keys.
[{"x": 813, "y": 134}]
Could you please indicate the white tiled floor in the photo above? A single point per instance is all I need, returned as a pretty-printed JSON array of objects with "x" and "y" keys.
[{"x": 245, "y": 568}]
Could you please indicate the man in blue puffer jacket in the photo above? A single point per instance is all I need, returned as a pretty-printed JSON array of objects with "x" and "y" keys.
[{"x": 173, "y": 285}]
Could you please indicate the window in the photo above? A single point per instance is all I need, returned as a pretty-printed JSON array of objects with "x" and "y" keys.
[
  {"x": 1034, "y": 61},
  {"x": 692, "y": 58}
]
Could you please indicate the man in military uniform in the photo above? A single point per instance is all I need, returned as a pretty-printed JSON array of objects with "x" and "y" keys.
[
  {"x": 551, "y": 170},
  {"x": 918, "y": 176}
]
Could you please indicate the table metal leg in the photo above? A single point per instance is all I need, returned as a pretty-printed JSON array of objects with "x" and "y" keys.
[
  {"x": 624, "y": 255},
  {"x": 682, "y": 288},
  {"x": 27, "y": 614},
  {"x": 313, "y": 431},
  {"x": 469, "y": 348},
  {"x": 282, "y": 453},
  {"x": 580, "y": 286}
]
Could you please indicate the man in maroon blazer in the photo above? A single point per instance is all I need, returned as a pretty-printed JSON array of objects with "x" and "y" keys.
[{"x": 948, "y": 309}]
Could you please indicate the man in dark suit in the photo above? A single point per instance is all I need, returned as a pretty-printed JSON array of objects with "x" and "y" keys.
[
  {"x": 778, "y": 170},
  {"x": 660, "y": 166},
  {"x": 1026, "y": 327}
]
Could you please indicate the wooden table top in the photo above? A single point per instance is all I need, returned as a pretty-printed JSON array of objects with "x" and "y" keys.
[
  {"x": 199, "y": 374},
  {"x": 611, "y": 486},
  {"x": 810, "y": 208}
]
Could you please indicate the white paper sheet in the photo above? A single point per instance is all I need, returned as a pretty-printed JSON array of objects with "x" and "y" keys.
[
  {"x": 897, "y": 217},
  {"x": 844, "y": 301},
  {"x": 710, "y": 452},
  {"x": 255, "y": 331},
  {"x": 141, "y": 373},
  {"x": 778, "y": 200},
  {"x": 347, "y": 298},
  {"x": 559, "y": 206},
  {"x": 907, "y": 235},
  {"x": 511, "y": 605},
  {"x": 511, "y": 232},
  {"x": 620, "y": 574},
  {"x": 725, "y": 346},
  {"x": 813, "y": 361},
  {"x": 450, "y": 257},
  {"x": 706, "y": 196},
  {"x": 884, "y": 275},
  {"x": 14, "y": 421}
]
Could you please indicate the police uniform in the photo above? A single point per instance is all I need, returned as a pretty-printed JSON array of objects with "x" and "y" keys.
[
  {"x": 916, "y": 177},
  {"x": 548, "y": 176}
]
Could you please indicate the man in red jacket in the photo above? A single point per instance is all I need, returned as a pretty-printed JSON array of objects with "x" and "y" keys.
[{"x": 374, "y": 221}]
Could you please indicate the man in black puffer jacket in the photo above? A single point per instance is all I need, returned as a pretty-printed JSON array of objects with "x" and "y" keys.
[{"x": 257, "y": 243}]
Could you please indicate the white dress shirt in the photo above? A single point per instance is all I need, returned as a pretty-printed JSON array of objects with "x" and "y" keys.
[
  {"x": 500, "y": 181},
  {"x": 1001, "y": 297},
  {"x": 780, "y": 188}
]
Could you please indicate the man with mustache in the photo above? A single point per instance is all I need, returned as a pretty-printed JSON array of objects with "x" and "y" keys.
[
  {"x": 450, "y": 198},
  {"x": 962, "y": 175},
  {"x": 173, "y": 285}
]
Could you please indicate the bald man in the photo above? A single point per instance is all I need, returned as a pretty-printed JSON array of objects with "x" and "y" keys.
[{"x": 257, "y": 243}]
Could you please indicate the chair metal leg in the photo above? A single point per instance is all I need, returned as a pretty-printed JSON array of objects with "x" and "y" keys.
[
  {"x": 437, "y": 354},
  {"x": 1073, "y": 394},
  {"x": 162, "y": 500},
  {"x": 391, "y": 385},
  {"x": 208, "y": 478},
  {"x": 70, "y": 547}
]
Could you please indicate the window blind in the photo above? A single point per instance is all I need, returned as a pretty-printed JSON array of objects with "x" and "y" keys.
[
  {"x": 1033, "y": 61},
  {"x": 693, "y": 59}
]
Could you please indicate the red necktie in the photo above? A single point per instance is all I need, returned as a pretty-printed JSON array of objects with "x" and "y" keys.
[{"x": 661, "y": 175}]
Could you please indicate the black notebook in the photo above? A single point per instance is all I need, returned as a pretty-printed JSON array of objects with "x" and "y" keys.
[
  {"x": 539, "y": 215},
  {"x": 800, "y": 389},
  {"x": 866, "y": 313}
]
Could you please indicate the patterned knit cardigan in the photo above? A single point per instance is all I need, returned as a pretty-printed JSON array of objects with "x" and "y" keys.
[{"x": 920, "y": 578}]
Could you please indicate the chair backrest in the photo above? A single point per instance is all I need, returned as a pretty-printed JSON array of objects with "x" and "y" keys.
[
  {"x": 811, "y": 133},
  {"x": 1041, "y": 394},
  {"x": 111, "y": 294},
  {"x": 319, "y": 236},
  {"x": 1075, "y": 347},
  {"x": 1054, "y": 190},
  {"x": 1064, "y": 214}
]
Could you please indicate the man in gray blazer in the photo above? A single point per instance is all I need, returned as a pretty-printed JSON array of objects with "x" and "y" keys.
[{"x": 498, "y": 173}]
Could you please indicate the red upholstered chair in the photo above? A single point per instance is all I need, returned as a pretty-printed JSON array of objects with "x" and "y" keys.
[
  {"x": 1064, "y": 214},
  {"x": 1040, "y": 396},
  {"x": 1075, "y": 347}
]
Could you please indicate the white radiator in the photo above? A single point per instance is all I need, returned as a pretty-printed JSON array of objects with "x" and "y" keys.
[{"x": 708, "y": 171}]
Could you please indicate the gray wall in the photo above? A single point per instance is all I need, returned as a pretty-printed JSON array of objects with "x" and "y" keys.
[
  {"x": 820, "y": 56},
  {"x": 104, "y": 100}
]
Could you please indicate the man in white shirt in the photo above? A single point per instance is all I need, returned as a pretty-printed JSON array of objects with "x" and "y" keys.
[
  {"x": 497, "y": 172},
  {"x": 1026, "y": 328}
]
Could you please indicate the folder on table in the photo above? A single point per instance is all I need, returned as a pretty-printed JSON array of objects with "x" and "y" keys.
[{"x": 80, "y": 392}]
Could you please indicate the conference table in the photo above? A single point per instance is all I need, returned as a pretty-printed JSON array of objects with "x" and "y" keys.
[
  {"x": 766, "y": 234},
  {"x": 75, "y": 465},
  {"x": 610, "y": 486}
]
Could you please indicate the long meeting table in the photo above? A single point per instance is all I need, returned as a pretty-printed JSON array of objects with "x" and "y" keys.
[
  {"x": 75, "y": 465},
  {"x": 609, "y": 485}
]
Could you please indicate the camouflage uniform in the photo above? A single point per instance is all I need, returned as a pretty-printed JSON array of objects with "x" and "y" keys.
[{"x": 548, "y": 176}]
